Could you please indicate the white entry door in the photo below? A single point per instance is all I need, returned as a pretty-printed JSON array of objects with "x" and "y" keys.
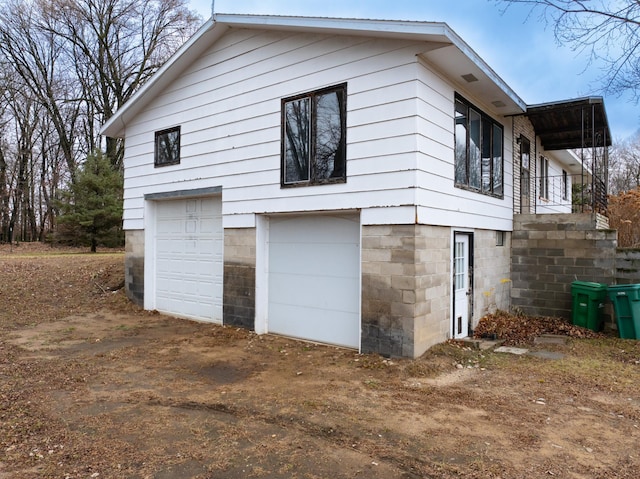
[
  {"x": 314, "y": 278},
  {"x": 461, "y": 286}
]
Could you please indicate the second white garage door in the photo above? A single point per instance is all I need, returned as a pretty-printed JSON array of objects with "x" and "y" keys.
[
  {"x": 189, "y": 261},
  {"x": 314, "y": 278}
]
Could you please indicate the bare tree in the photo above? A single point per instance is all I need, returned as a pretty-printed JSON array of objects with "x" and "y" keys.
[
  {"x": 65, "y": 67},
  {"x": 114, "y": 47},
  {"x": 36, "y": 59},
  {"x": 607, "y": 30},
  {"x": 624, "y": 165}
]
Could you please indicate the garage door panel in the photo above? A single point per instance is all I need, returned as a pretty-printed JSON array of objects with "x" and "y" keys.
[
  {"x": 314, "y": 278},
  {"x": 299, "y": 289},
  {"x": 338, "y": 230},
  {"x": 208, "y": 225},
  {"x": 319, "y": 258},
  {"x": 318, "y": 325},
  {"x": 169, "y": 226}
]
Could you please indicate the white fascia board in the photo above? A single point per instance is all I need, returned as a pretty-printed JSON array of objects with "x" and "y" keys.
[{"x": 345, "y": 26}]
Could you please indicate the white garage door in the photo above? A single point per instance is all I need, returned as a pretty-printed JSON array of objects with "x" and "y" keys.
[
  {"x": 189, "y": 262},
  {"x": 314, "y": 278}
]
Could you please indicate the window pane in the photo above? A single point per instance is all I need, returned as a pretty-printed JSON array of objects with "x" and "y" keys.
[
  {"x": 329, "y": 161},
  {"x": 486, "y": 156},
  {"x": 544, "y": 178},
  {"x": 297, "y": 140},
  {"x": 461, "y": 143},
  {"x": 541, "y": 177},
  {"x": 525, "y": 150},
  {"x": 497, "y": 161},
  {"x": 168, "y": 147},
  {"x": 474, "y": 149}
]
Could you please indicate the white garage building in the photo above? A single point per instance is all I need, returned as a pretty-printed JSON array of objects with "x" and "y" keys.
[{"x": 343, "y": 181}]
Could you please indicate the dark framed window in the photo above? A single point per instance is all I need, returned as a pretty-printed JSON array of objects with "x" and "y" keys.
[
  {"x": 314, "y": 131},
  {"x": 544, "y": 178},
  {"x": 167, "y": 147},
  {"x": 479, "y": 158},
  {"x": 565, "y": 185}
]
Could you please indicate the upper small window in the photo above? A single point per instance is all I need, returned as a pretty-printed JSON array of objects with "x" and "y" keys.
[
  {"x": 478, "y": 150},
  {"x": 314, "y": 138},
  {"x": 167, "y": 147}
]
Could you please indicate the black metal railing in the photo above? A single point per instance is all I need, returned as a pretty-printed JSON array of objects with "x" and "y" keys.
[{"x": 582, "y": 193}]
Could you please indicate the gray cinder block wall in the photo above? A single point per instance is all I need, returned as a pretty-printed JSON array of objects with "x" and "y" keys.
[
  {"x": 406, "y": 273},
  {"x": 549, "y": 252},
  {"x": 134, "y": 266},
  {"x": 628, "y": 266}
]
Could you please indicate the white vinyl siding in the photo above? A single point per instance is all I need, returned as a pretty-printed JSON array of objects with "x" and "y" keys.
[
  {"x": 233, "y": 140},
  {"x": 439, "y": 202},
  {"x": 555, "y": 201},
  {"x": 228, "y": 106}
]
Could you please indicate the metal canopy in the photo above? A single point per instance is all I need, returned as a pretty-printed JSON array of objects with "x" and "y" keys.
[{"x": 571, "y": 124}]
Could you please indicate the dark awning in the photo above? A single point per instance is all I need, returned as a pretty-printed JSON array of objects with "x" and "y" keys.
[{"x": 571, "y": 124}]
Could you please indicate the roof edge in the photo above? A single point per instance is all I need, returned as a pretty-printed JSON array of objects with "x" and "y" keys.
[{"x": 390, "y": 27}]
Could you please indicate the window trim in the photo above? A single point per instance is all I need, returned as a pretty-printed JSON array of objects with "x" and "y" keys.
[
  {"x": 484, "y": 119},
  {"x": 156, "y": 153},
  {"x": 341, "y": 90}
]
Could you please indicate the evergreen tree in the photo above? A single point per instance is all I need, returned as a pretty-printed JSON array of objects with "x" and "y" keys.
[{"x": 91, "y": 210}]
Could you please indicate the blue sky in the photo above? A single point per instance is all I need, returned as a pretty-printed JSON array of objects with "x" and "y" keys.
[{"x": 516, "y": 44}]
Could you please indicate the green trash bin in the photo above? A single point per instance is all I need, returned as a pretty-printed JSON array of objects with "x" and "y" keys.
[
  {"x": 588, "y": 304},
  {"x": 626, "y": 304}
]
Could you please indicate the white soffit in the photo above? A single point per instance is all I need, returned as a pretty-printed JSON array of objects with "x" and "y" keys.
[
  {"x": 570, "y": 161},
  {"x": 458, "y": 62}
]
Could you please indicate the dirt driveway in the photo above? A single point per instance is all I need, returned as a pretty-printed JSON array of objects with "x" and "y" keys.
[{"x": 92, "y": 387}]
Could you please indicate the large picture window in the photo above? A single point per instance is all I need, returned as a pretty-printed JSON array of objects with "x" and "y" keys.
[
  {"x": 314, "y": 137},
  {"x": 167, "y": 147},
  {"x": 478, "y": 150}
]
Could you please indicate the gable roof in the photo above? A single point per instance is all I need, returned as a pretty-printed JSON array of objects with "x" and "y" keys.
[{"x": 444, "y": 49}]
